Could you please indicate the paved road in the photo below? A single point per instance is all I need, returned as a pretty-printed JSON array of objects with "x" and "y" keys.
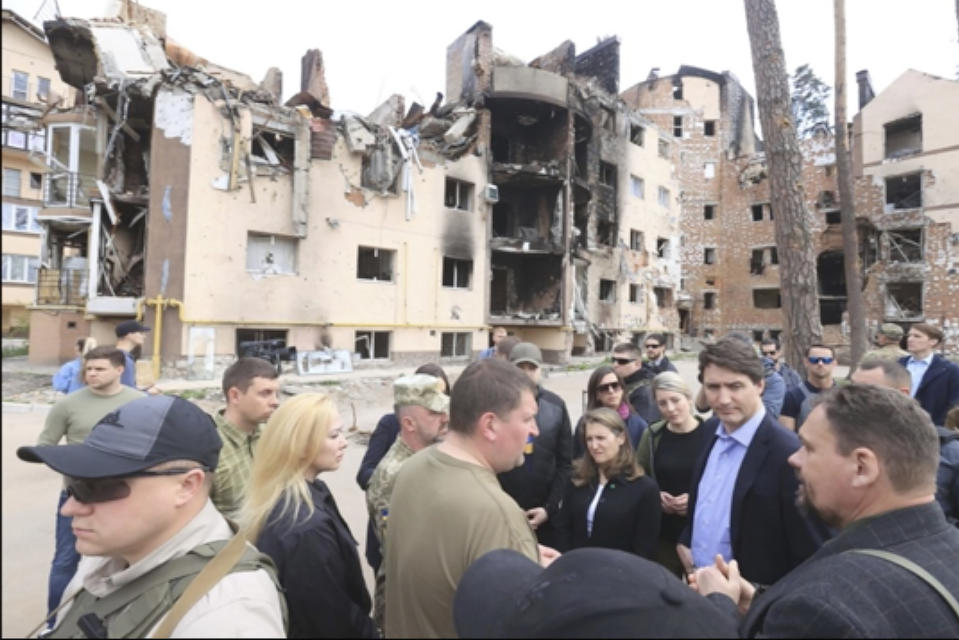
[{"x": 30, "y": 495}]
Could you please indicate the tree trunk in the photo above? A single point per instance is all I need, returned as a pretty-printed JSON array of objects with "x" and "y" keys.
[
  {"x": 855, "y": 305},
  {"x": 797, "y": 256}
]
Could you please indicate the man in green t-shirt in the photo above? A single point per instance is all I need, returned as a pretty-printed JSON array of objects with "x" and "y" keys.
[
  {"x": 72, "y": 419},
  {"x": 448, "y": 509}
]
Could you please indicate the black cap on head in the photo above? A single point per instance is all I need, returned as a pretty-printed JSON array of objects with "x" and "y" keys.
[
  {"x": 585, "y": 593},
  {"x": 130, "y": 326},
  {"x": 141, "y": 434}
]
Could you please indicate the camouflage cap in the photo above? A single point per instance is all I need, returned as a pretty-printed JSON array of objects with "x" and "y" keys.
[
  {"x": 891, "y": 330},
  {"x": 421, "y": 390}
]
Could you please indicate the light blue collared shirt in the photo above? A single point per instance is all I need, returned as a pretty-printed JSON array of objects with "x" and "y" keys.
[
  {"x": 714, "y": 500},
  {"x": 917, "y": 369}
]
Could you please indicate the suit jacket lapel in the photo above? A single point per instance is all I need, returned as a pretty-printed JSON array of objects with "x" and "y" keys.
[
  {"x": 748, "y": 470},
  {"x": 936, "y": 368}
]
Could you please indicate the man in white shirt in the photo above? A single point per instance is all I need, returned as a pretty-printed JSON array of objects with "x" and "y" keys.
[{"x": 139, "y": 489}]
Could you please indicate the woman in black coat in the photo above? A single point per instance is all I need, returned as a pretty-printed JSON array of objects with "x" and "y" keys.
[
  {"x": 609, "y": 502},
  {"x": 292, "y": 517}
]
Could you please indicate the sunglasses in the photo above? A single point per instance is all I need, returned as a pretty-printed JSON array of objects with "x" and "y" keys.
[
  {"x": 91, "y": 490},
  {"x": 820, "y": 359},
  {"x": 608, "y": 387},
  {"x": 623, "y": 360},
  {"x": 769, "y": 353},
  {"x": 653, "y": 346}
]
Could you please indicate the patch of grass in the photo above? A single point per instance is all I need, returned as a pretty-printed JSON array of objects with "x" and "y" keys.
[
  {"x": 192, "y": 394},
  {"x": 14, "y": 352}
]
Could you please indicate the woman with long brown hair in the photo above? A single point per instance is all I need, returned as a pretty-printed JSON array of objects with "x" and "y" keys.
[
  {"x": 609, "y": 502},
  {"x": 607, "y": 389}
]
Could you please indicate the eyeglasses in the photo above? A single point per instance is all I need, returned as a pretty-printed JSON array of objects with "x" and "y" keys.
[
  {"x": 91, "y": 490},
  {"x": 623, "y": 360},
  {"x": 609, "y": 387},
  {"x": 653, "y": 346},
  {"x": 820, "y": 359}
]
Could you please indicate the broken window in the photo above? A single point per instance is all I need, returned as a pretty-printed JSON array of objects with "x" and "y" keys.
[
  {"x": 709, "y": 170},
  {"x": 709, "y": 255},
  {"x": 637, "y": 134},
  {"x": 709, "y": 128},
  {"x": 244, "y": 338},
  {"x": 831, "y": 276},
  {"x": 635, "y": 240},
  {"x": 11, "y": 182},
  {"x": 373, "y": 263},
  {"x": 757, "y": 335},
  {"x": 20, "y": 80},
  {"x": 607, "y": 174},
  {"x": 663, "y": 149},
  {"x": 455, "y": 344},
  {"x": 638, "y": 186},
  {"x": 607, "y": 291},
  {"x": 761, "y": 257},
  {"x": 662, "y": 247},
  {"x": 634, "y": 293},
  {"x": 677, "y": 126},
  {"x": 757, "y": 212},
  {"x": 663, "y": 197},
  {"x": 606, "y": 232},
  {"x": 664, "y": 297},
  {"x": 608, "y": 117},
  {"x": 709, "y": 211},
  {"x": 709, "y": 300},
  {"x": 677, "y": 88},
  {"x": 457, "y": 273},
  {"x": 904, "y": 137},
  {"x": 270, "y": 254},
  {"x": 904, "y": 300},
  {"x": 36, "y": 180},
  {"x": 904, "y": 192},
  {"x": 905, "y": 245},
  {"x": 834, "y": 217},
  {"x": 458, "y": 195},
  {"x": 270, "y": 150},
  {"x": 767, "y": 299},
  {"x": 372, "y": 345}
]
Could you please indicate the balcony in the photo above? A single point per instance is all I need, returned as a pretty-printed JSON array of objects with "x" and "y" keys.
[
  {"x": 68, "y": 190},
  {"x": 62, "y": 287}
]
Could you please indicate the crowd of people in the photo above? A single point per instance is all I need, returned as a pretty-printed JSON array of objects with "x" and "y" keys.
[{"x": 770, "y": 504}]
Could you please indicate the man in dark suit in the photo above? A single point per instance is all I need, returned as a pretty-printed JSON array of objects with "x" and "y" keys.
[
  {"x": 935, "y": 380},
  {"x": 867, "y": 465},
  {"x": 742, "y": 496}
]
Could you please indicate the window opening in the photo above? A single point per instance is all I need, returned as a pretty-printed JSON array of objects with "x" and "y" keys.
[
  {"x": 905, "y": 245},
  {"x": 767, "y": 299},
  {"x": 373, "y": 263},
  {"x": 455, "y": 344},
  {"x": 904, "y": 137},
  {"x": 637, "y": 135},
  {"x": 372, "y": 345},
  {"x": 458, "y": 195},
  {"x": 709, "y": 212},
  {"x": 709, "y": 127},
  {"x": 904, "y": 192},
  {"x": 709, "y": 300},
  {"x": 607, "y": 291},
  {"x": 457, "y": 273}
]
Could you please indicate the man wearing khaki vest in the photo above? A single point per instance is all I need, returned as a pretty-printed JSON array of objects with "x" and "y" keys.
[{"x": 138, "y": 490}]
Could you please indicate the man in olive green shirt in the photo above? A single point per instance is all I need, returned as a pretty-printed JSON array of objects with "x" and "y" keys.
[
  {"x": 887, "y": 343},
  {"x": 72, "y": 419},
  {"x": 448, "y": 508},
  {"x": 250, "y": 387},
  {"x": 422, "y": 409}
]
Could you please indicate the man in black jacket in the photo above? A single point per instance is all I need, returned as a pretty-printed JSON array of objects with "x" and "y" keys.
[
  {"x": 628, "y": 363},
  {"x": 867, "y": 465},
  {"x": 656, "y": 361},
  {"x": 539, "y": 483}
]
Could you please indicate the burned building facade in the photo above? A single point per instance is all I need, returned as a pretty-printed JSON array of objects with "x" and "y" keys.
[
  {"x": 222, "y": 217},
  {"x": 905, "y": 206}
]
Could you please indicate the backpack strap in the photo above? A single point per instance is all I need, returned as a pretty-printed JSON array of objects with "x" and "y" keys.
[{"x": 916, "y": 570}]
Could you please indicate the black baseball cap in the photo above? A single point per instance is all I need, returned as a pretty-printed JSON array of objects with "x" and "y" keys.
[
  {"x": 139, "y": 435},
  {"x": 130, "y": 326},
  {"x": 585, "y": 593}
]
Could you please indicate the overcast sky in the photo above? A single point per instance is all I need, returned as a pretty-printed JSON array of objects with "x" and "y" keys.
[{"x": 373, "y": 49}]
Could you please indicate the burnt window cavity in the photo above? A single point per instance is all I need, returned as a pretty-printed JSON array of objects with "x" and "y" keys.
[
  {"x": 606, "y": 232},
  {"x": 709, "y": 255},
  {"x": 458, "y": 195},
  {"x": 905, "y": 245},
  {"x": 677, "y": 126},
  {"x": 634, "y": 293},
  {"x": 608, "y": 117},
  {"x": 607, "y": 174},
  {"x": 709, "y": 212},
  {"x": 637, "y": 135},
  {"x": 767, "y": 299},
  {"x": 904, "y": 300},
  {"x": 709, "y": 128},
  {"x": 457, "y": 273},
  {"x": 372, "y": 345},
  {"x": 607, "y": 291},
  {"x": 904, "y": 192},
  {"x": 709, "y": 300},
  {"x": 373, "y": 263},
  {"x": 904, "y": 137}
]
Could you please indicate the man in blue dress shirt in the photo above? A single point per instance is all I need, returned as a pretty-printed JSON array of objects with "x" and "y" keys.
[{"x": 742, "y": 501}]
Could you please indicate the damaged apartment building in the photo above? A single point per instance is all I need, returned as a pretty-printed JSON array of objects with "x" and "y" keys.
[
  {"x": 906, "y": 191},
  {"x": 184, "y": 193}
]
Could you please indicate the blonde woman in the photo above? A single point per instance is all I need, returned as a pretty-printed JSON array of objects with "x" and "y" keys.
[
  {"x": 290, "y": 515},
  {"x": 70, "y": 376},
  {"x": 609, "y": 502},
  {"x": 668, "y": 451}
]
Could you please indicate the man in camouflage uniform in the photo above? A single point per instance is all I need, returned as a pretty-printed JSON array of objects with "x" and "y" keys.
[
  {"x": 422, "y": 409},
  {"x": 887, "y": 343}
]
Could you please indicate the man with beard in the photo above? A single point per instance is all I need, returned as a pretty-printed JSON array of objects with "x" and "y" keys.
[{"x": 867, "y": 465}]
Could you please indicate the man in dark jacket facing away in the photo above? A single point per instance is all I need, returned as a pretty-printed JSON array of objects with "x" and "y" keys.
[
  {"x": 539, "y": 483},
  {"x": 868, "y": 466}
]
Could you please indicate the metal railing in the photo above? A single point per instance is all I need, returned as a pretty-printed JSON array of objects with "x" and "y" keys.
[
  {"x": 68, "y": 189},
  {"x": 62, "y": 286}
]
